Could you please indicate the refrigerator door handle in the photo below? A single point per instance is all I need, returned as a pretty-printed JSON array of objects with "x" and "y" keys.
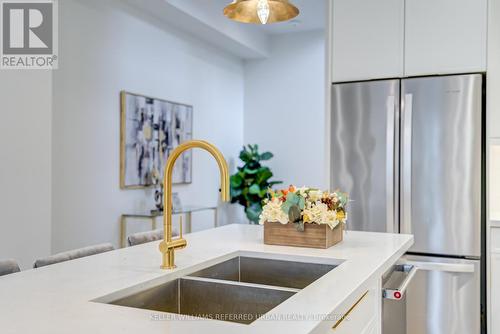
[
  {"x": 406, "y": 163},
  {"x": 440, "y": 266},
  {"x": 391, "y": 137}
]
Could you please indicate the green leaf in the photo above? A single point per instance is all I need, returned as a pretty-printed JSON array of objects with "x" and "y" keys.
[
  {"x": 263, "y": 175},
  {"x": 286, "y": 207},
  {"x": 300, "y": 226},
  {"x": 273, "y": 183},
  {"x": 235, "y": 192},
  {"x": 343, "y": 198},
  {"x": 245, "y": 156},
  {"x": 254, "y": 189},
  {"x": 294, "y": 214},
  {"x": 253, "y": 212},
  {"x": 236, "y": 180},
  {"x": 266, "y": 156},
  {"x": 292, "y": 198},
  {"x": 251, "y": 171},
  {"x": 302, "y": 203},
  {"x": 253, "y": 164}
]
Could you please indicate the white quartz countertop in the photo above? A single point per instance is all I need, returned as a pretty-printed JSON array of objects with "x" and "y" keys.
[{"x": 59, "y": 298}]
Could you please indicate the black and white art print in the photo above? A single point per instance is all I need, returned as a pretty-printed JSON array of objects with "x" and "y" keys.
[{"x": 150, "y": 129}]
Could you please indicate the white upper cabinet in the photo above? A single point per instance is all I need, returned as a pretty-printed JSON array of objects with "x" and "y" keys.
[
  {"x": 367, "y": 39},
  {"x": 445, "y": 36},
  {"x": 375, "y": 39}
]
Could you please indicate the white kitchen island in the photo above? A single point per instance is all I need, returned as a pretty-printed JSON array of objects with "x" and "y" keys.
[{"x": 63, "y": 298}]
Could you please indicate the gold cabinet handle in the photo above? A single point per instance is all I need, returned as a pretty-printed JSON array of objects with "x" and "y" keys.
[{"x": 337, "y": 324}]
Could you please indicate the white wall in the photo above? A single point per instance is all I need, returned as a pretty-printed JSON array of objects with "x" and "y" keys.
[
  {"x": 493, "y": 183},
  {"x": 106, "y": 47},
  {"x": 493, "y": 108},
  {"x": 285, "y": 107},
  {"x": 493, "y": 70},
  {"x": 25, "y": 150}
]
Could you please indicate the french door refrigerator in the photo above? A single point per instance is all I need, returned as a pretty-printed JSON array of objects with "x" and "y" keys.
[{"x": 409, "y": 152}]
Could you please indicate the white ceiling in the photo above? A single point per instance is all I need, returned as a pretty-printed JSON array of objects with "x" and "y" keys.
[
  {"x": 312, "y": 17},
  {"x": 204, "y": 19}
]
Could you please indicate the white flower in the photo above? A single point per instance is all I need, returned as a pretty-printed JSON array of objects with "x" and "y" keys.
[
  {"x": 272, "y": 212},
  {"x": 302, "y": 191},
  {"x": 330, "y": 219},
  {"x": 315, "y": 195},
  {"x": 315, "y": 212},
  {"x": 318, "y": 213}
]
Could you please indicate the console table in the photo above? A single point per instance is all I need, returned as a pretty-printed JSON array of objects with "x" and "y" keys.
[{"x": 186, "y": 210}]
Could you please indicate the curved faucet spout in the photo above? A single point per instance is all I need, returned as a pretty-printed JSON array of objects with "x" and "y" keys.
[{"x": 168, "y": 246}]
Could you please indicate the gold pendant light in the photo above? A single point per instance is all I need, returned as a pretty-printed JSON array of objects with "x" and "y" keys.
[{"x": 261, "y": 11}]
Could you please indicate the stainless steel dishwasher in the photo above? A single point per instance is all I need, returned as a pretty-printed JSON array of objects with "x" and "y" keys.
[{"x": 432, "y": 296}]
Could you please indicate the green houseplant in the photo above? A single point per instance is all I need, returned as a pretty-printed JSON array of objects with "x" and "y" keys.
[{"x": 250, "y": 183}]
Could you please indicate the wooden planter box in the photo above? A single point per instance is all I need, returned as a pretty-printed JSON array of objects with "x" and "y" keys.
[{"x": 314, "y": 235}]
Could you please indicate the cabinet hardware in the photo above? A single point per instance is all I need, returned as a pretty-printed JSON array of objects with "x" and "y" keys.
[{"x": 337, "y": 324}]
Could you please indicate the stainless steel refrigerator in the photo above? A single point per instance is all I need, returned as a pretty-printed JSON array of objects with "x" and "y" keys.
[{"x": 410, "y": 153}]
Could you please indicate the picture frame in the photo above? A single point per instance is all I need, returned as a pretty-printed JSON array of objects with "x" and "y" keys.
[{"x": 150, "y": 128}]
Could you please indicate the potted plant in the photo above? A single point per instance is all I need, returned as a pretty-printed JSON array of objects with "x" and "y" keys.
[{"x": 249, "y": 185}]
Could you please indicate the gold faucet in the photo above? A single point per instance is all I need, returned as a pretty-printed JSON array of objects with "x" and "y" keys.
[{"x": 168, "y": 246}]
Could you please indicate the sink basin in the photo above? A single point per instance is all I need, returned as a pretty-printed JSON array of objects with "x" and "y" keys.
[
  {"x": 281, "y": 273},
  {"x": 207, "y": 298},
  {"x": 240, "y": 289}
]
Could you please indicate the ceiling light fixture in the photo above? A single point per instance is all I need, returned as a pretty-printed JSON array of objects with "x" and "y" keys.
[{"x": 261, "y": 11}]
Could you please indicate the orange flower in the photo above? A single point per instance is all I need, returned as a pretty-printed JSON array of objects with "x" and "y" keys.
[{"x": 284, "y": 192}]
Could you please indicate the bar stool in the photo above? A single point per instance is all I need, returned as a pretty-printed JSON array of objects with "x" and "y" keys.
[
  {"x": 144, "y": 237},
  {"x": 8, "y": 267},
  {"x": 73, "y": 254}
]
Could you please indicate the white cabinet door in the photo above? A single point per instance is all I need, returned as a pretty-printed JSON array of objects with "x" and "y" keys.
[
  {"x": 494, "y": 284},
  {"x": 445, "y": 36},
  {"x": 361, "y": 314},
  {"x": 367, "y": 39},
  {"x": 495, "y": 293}
]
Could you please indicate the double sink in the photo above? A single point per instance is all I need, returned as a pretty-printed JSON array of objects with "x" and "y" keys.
[{"x": 240, "y": 289}]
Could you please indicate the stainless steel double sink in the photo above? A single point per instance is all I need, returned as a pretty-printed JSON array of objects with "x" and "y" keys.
[{"x": 240, "y": 289}]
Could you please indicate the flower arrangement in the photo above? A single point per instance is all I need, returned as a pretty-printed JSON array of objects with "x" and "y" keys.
[{"x": 305, "y": 205}]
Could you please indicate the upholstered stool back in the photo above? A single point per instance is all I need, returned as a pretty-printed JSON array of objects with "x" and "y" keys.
[
  {"x": 73, "y": 254},
  {"x": 143, "y": 237},
  {"x": 8, "y": 267}
]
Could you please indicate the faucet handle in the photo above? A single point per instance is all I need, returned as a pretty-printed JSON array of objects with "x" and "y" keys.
[{"x": 180, "y": 226}]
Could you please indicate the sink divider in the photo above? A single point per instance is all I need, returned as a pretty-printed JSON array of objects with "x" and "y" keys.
[{"x": 251, "y": 285}]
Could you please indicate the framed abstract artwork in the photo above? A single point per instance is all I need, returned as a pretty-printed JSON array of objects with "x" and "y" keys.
[{"x": 150, "y": 129}]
